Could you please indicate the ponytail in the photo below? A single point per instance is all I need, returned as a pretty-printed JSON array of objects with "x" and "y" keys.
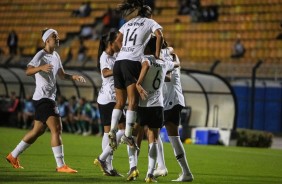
[
  {"x": 104, "y": 41},
  {"x": 145, "y": 11},
  {"x": 102, "y": 48},
  {"x": 129, "y": 6}
]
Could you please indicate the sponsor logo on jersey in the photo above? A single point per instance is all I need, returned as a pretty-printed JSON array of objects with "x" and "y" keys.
[
  {"x": 127, "y": 49},
  {"x": 136, "y": 24}
]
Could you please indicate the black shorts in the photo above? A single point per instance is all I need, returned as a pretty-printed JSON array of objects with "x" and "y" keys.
[
  {"x": 106, "y": 113},
  {"x": 125, "y": 73},
  {"x": 44, "y": 108},
  {"x": 151, "y": 116},
  {"x": 173, "y": 115}
]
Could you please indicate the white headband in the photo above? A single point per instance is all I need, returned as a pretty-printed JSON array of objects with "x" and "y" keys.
[{"x": 48, "y": 33}]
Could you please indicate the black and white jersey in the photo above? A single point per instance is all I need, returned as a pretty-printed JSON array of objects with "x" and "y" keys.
[
  {"x": 173, "y": 90},
  {"x": 46, "y": 82},
  {"x": 136, "y": 34},
  {"x": 107, "y": 92},
  {"x": 154, "y": 80}
]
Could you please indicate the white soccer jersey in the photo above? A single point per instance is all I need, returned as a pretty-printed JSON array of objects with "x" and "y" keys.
[
  {"x": 154, "y": 80},
  {"x": 107, "y": 92},
  {"x": 46, "y": 82},
  {"x": 136, "y": 33},
  {"x": 172, "y": 90}
]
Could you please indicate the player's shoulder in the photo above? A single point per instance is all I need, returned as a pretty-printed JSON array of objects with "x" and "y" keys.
[
  {"x": 56, "y": 53},
  {"x": 104, "y": 55},
  {"x": 39, "y": 54}
]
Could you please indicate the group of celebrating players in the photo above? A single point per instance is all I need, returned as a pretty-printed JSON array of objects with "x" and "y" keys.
[{"x": 139, "y": 69}]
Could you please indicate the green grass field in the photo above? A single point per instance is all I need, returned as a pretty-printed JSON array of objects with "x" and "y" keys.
[{"x": 209, "y": 164}]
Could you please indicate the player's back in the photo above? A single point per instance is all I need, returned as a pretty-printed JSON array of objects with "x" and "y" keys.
[
  {"x": 153, "y": 81},
  {"x": 136, "y": 33}
]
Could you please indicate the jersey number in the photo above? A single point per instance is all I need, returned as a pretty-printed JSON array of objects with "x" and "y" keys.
[
  {"x": 131, "y": 38},
  {"x": 156, "y": 81}
]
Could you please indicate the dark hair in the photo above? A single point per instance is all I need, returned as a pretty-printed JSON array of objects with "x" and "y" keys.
[
  {"x": 151, "y": 45},
  {"x": 165, "y": 44},
  {"x": 128, "y": 6},
  {"x": 145, "y": 11},
  {"x": 43, "y": 31},
  {"x": 104, "y": 41}
]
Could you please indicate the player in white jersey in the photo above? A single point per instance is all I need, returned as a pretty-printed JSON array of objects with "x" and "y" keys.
[
  {"x": 173, "y": 104},
  {"x": 150, "y": 108},
  {"x": 131, "y": 41},
  {"x": 106, "y": 102},
  {"x": 45, "y": 66}
]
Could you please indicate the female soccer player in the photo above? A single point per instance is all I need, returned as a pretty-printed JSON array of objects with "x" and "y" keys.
[
  {"x": 173, "y": 104},
  {"x": 150, "y": 109},
  {"x": 131, "y": 41},
  {"x": 106, "y": 102},
  {"x": 45, "y": 66}
]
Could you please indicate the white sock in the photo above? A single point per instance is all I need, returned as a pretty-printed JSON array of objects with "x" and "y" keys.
[
  {"x": 109, "y": 161},
  {"x": 58, "y": 152},
  {"x": 110, "y": 153},
  {"x": 160, "y": 157},
  {"x": 19, "y": 149},
  {"x": 119, "y": 135},
  {"x": 152, "y": 157},
  {"x": 132, "y": 155},
  {"x": 116, "y": 114},
  {"x": 105, "y": 140},
  {"x": 136, "y": 152},
  {"x": 130, "y": 120},
  {"x": 179, "y": 153},
  {"x": 106, "y": 152},
  {"x": 109, "y": 158}
]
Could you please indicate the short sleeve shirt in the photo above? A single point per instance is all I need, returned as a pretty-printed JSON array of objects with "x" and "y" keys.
[
  {"x": 45, "y": 82},
  {"x": 107, "y": 92},
  {"x": 173, "y": 90},
  {"x": 136, "y": 33},
  {"x": 153, "y": 81}
]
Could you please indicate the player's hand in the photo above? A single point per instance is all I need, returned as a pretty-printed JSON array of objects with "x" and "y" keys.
[
  {"x": 142, "y": 92},
  {"x": 78, "y": 78},
  {"x": 46, "y": 68}
]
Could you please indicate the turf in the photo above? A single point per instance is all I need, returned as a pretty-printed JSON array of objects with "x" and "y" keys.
[{"x": 209, "y": 164}]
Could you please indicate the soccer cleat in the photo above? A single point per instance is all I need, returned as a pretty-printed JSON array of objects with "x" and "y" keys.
[
  {"x": 102, "y": 165},
  {"x": 183, "y": 178},
  {"x": 129, "y": 141},
  {"x": 115, "y": 173},
  {"x": 65, "y": 169},
  {"x": 132, "y": 174},
  {"x": 15, "y": 162},
  {"x": 160, "y": 172},
  {"x": 150, "y": 179},
  {"x": 113, "y": 139}
]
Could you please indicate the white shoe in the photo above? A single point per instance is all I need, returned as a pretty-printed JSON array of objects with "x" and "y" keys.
[
  {"x": 187, "y": 178},
  {"x": 160, "y": 172}
]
